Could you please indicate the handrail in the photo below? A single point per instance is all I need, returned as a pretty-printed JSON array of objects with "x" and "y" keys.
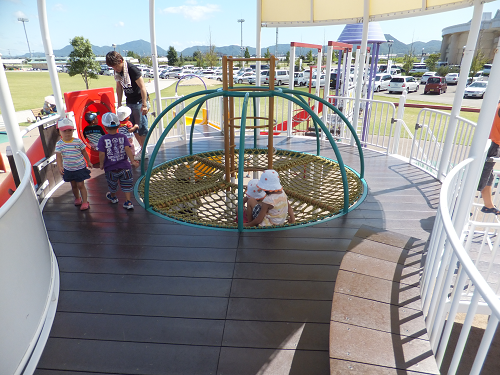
[
  {"x": 35, "y": 125},
  {"x": 480, "y": 283}
]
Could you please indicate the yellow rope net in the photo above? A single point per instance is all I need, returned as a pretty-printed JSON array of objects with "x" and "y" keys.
[{"x": 192, "y": 189}]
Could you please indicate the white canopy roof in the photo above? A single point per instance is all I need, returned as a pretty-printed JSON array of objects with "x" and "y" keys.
[{"x": 289, "y": 13}]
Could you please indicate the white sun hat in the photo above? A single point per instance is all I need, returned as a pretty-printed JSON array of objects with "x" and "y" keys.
[
  {"x": 270, "y": 181},
  {"x": 253, "y": 190},
  {"x": 123, "y": 112},
  {"x": 50, "y": 99},
  {"x": 110, "y": 120},
  {"x": 65, "y": 124}
]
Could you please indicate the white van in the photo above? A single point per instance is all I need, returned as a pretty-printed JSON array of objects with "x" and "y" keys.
[{"x": 281, "y": 77}]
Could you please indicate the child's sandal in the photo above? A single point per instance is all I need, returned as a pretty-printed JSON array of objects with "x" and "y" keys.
[{"x": 84, "y": 206}]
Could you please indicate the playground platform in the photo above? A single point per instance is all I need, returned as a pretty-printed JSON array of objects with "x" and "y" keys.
[{"x": 143, "y": 295}]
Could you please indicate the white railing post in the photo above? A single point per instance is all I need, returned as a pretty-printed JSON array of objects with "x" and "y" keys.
[
  {"x": 397, "y": 128},
  {"x": 154, "y": 55},
  {"x": 291, "y": 86},
  {"x": 459, "y": 94}
]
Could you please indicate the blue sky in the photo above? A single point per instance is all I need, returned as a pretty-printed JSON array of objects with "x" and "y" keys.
[{"x": 183, "y": 24}]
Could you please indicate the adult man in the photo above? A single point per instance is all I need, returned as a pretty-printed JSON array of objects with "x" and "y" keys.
[
  {"x": 129, "y": 81},
  {"x": 487, "y": 176}
]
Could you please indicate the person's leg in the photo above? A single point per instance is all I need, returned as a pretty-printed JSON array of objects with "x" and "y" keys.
[
  {"x": 83, "y": 190},
  {"x": 74, "y": 188},
  {"x": 487, "y": 199},
  {"x": 136, "y": 117},
  {"x": 112, "y": 181},
  {"x": 127, "y": 186}
]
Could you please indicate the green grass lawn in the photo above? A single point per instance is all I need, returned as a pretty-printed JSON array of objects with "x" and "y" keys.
[{"x": 28, "y": 89}]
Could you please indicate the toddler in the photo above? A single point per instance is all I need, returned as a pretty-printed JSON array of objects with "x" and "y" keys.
[
  {"x": 93, "y": 131},
  {"x": 127, "y": 128},
  {"x": 113, "y": 149},
  {"x": 254, "y": 192},
  {"x": 71, "y": 157},
  {"x": 274, "y": 208}
]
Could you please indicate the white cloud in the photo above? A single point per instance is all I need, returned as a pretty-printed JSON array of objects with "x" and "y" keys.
[
  {"x": 120, "y": 24},
  {"x": 192, "y": 11},
  {"x": 20, "y": 14},
  {"x": 59, "y": 7}
]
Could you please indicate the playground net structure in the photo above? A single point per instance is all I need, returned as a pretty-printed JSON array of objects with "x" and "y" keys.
[{"x": 207, "y": 189}]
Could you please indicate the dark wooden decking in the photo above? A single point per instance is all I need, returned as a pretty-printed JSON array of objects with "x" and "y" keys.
[{"x": 142, "y": 295}]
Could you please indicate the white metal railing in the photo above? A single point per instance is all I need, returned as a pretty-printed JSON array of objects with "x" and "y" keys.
[
  {"x": 431, "y": 131},
  {"x": 29, "y": 280},
  {"x": 451, "y": 280},
  {"x": 178, "y": 132}
]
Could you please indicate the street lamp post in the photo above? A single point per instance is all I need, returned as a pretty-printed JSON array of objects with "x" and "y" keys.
[
  {"x": 463, "y": 53},
  {"x": 24, "y": 20},
  {"x": 389, "y": 44},
  {"x": 422, "y": 59},
  {"x": 114, "y": 47},
  {"x": 241, "y": 20}
]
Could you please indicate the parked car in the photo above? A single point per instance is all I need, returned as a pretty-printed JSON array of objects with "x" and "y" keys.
[
  {"x": 297, "y": 78},
  {"x": 321, "y": 80},
  {"x": 476, "y": 89},
  {"x": 426, "y": 76},
  {"x": 175, "y": 73},
  {"x": 451, "y": 78},
  {"x": 108, "y": 72},
  {"x": 280, "y": 77},
  {"x": 381, "y": 82},
  {"x": 243, "y": 78},
  {"x": 253, "y": 78},
  {"x": 402, "y": 83},
  {"x": 435, "y": 84}
]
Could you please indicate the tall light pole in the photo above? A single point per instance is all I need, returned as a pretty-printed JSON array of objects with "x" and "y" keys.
[
  {"x": 114, "y": 47},
  {"x": 23, "y": 20},
  {"x": 389, "y": 44},
  {"x": 241, "y": 20}
]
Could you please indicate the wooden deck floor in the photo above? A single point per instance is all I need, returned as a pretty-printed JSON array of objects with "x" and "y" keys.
[{"x": 142, "y": 295}]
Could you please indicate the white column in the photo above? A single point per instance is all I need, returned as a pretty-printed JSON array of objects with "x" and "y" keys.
[
  {"x": 361, "y": 66},
  {"x": 10, "y": 120},
  {"x": 154, "y": 56},
  {"x": 291, "y": 85},
  {"x": 258, "y": 45},
  {"x": 318, "y": 76},
  {"x": 49, "y": 54},
  {"x": 459, "y": 94}
]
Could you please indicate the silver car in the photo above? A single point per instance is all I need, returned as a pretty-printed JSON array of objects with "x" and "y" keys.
[
  {"x": 476, "y": 89},
  {"x": 403, "y": 83}
]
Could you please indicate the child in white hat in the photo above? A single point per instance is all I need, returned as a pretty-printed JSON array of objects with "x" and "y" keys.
[
  {"x": 255, "y": 194},
  {"x": 113, "y": 151},
  {"x": 274, "y": 208},
  {"x": 127, "y": 128},
  {"x": 71, "y": 157}
]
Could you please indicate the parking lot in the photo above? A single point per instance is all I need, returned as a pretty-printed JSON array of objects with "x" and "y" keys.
[{"x": 446, "y": 98}]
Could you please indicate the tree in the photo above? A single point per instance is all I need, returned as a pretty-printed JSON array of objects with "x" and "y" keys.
[
  {"x": 172, "y": 56},
  {"x": 432, "y": 61},
  {"x": 146, "y": 60},
  {"x": 133, "y": 55},
  {"x": 267, "y": 54},
  {"x": 477, "y": 63},
  {"x": 82, "y": 60},
  {"x": 287, "y": 57},
  {"x": 211, "y": 56},
  {"x": 247, "y": 53},
  {"x": 408, "y": 60},
  {"x": 309, "y": 56},
  {"x": 198, "y": 57},
  {"x": 181, "y": 59}
]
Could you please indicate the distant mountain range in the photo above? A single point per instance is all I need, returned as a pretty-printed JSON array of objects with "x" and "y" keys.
[{"x": 143, "y": 48}]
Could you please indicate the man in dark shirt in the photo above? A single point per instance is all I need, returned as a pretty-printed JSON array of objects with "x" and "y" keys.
[{"x": 129, "y": 82}]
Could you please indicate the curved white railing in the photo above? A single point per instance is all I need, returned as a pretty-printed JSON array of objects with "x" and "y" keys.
[
  {"x": 448, "y": 269},
  {"x": 29, "y": 280}
]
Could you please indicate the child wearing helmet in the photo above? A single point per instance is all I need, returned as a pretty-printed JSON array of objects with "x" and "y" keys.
[
  {"x": 127, "y": 128},
  {"x": 93, "y": 131},
  {"x": 114, "y": 152},
  {"x": 71, "y": 157},
  {"x": 275, "y": 207}
]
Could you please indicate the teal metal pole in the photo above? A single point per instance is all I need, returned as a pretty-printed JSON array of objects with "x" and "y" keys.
[{"x": 241, "y": 161}]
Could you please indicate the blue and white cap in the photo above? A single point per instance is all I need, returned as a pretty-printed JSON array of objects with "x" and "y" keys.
[{"x": 110, "y": 120}]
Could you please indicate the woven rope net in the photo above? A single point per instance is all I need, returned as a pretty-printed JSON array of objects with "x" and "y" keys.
[{"x": 193, "y": 189}]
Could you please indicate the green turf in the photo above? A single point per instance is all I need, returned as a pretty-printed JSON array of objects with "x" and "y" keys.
[{"x": 28, "y": 89}]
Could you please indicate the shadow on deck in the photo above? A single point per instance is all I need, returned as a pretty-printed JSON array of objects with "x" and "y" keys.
[{"x": 142, "y": 295}]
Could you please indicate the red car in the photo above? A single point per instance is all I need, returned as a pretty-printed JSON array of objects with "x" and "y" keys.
[{"x": 435, "y": 84}]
